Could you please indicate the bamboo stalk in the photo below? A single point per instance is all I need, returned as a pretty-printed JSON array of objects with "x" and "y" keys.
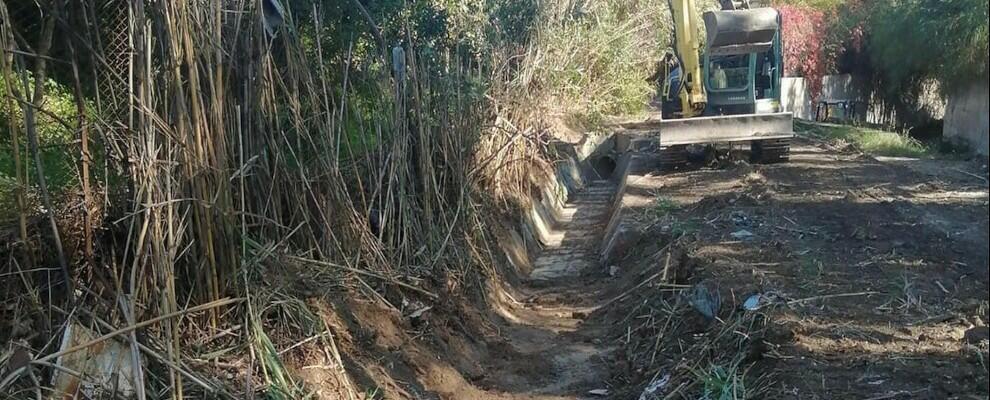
[
  {"x": 30, "y": 123},
  {"x": 84, "y": 155},
  {"x": 19, "y": 174}
]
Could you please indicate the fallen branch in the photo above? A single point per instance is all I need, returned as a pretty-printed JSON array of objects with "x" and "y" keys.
[
  {"x": 366, "y": 273},
  {"x": 828, "y": 296},
  {"x": 641, "y": 284},
  {"x": 971, "y": 174}
]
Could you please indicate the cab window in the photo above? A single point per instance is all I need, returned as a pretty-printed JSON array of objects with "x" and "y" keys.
[{"x": 728, "y": 72}]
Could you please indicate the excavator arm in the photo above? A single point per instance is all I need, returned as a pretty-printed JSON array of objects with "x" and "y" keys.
[{"x": 687, "y": 44}]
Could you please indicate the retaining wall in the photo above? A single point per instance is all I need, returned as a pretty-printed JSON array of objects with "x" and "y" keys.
[
  {"x": 966, "y": 117},
  {"x": 795, "y": 96}
]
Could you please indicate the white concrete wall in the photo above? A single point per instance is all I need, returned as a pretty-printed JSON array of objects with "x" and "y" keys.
[
  {"x": 966, "y": 117},
  {"x": 796, "y": 98},
  {"x": 795, "y": 95},
  {"x": 841, "y": 87}
]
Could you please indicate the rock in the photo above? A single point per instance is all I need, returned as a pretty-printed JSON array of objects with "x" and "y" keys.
[{"x": 976, "y": 335}]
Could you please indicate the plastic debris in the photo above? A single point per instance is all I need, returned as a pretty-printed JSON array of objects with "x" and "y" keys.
[
  {"x": 706, "y": 301},
  {"x": 655, "y": 388},
  {"x": 742, "y": 234},
  {"x": 599, "y": 392},
  {"x": 757, "y": 301},
  {"x": 107, "y": 366},
  {"x": 753, "y": 302}
]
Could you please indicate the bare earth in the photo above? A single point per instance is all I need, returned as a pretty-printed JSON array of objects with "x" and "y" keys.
[{"x": 905, "y": 240}]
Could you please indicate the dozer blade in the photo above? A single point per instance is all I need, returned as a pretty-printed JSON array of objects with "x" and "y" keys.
[
  {"x": 725, "y": 128},
  {"x": 769, "y": 136},
  {"x": 740, "y": 31}
]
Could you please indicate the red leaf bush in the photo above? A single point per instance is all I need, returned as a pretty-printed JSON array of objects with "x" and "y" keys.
[{"x": 804, "y": 33}]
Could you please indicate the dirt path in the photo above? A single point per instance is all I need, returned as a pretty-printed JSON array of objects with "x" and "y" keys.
[{"x": 911, "y": 235}]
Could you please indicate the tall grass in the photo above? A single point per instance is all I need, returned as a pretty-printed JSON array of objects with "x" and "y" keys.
[
  {"x": 593, "y": 58},
  {"x": 254, "y": 152},
  {"x": 245, "y": 153}
]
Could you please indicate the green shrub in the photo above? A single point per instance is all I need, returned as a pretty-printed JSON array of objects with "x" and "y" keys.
[{"x": 56, "y": 141}]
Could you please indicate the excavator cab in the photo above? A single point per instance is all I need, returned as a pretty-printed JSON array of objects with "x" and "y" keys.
[
  {"x": 725, "y": 87},
  {"x": 742, "y": 62}
]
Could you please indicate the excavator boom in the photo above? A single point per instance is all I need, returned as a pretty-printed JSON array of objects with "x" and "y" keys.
[{"x": 688, "y": 46}]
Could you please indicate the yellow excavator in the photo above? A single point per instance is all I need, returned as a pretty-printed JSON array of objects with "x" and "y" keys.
[{"x": 724, "y": 87}]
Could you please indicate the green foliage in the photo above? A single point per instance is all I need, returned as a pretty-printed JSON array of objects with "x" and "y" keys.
[
  {"x": 872, "y": 141},
  {"x": 663, "y": 206},
  {"x": 723, "y": 382},
  {"x": 953, "y": 31},
  {"x": 55, "y": 141},
  {"x": 594, "y": 58},
  {"x": 900, "y": 50}
]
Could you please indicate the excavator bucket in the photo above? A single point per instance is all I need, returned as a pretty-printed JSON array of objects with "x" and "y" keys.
[{"x": 740, "y": 31}]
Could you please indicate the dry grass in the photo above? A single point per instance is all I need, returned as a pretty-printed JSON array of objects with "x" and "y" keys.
[
  {"x": 239, "y": 164},
  {"x": 666, "y": 340},
  {"x": 234, "y": 162}
]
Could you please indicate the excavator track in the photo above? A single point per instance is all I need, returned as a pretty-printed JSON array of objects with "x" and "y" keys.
[
  {"x": 673, "y": 158},
  {"x": 770, "y": 151}
]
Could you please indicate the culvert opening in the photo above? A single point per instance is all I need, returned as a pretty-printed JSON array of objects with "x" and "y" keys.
[{"x": 604, "y": 166}]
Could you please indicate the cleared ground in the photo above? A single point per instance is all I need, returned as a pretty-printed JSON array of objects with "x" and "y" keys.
[{"x": 875, "y": 271}]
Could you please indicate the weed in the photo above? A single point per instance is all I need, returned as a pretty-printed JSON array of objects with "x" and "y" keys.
[
  {"x": 723, "y": 381},
  {"x": 664, "y": 206},
  {"x": 810, "y": 270}
]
